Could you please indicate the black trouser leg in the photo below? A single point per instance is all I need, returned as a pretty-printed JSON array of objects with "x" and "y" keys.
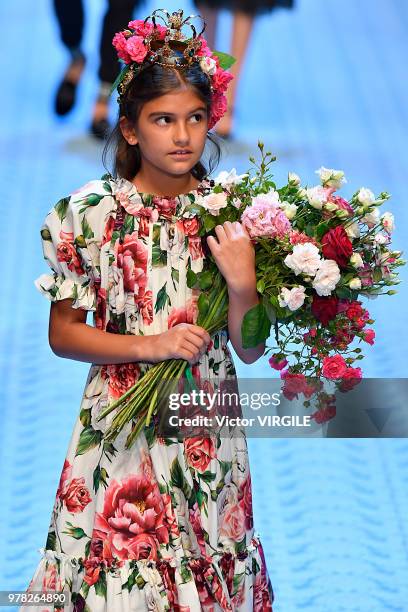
[
  {"x": 70, "y": 16},
  {"x": 116, "y": 18}
]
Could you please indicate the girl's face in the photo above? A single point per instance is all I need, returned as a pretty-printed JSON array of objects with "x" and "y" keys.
[{"x": 172, "y": 122}]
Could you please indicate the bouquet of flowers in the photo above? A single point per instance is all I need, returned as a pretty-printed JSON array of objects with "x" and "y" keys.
[{"x": 316, "y": 255}]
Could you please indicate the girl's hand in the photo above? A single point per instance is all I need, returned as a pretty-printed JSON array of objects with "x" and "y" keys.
[
  {"x": 234, "y": 255},
  {"x": 182, "y": 341}
]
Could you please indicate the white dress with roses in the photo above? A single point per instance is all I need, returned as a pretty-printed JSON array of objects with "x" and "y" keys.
[{"x": 167, "y": 524}]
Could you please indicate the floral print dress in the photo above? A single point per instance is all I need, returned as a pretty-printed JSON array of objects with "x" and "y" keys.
[{"x": 167, "y": 524}]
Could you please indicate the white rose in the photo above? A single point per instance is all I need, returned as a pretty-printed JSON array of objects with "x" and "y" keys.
[
  {"x": 208, "y": 65},
  {"x": 381, "y": 239},
  {"x": 353, "y": 230},
  {"x": 355, "y": 283},
  {"x": 316, "y": 196},
  {"x": 305, "y": 258},
  {"x": 356, "y": 260},
  {"x": 331, "y": 206},
  {"x": 327, "y": 277},
  {"x": 292, "y": 298},
  {"x": 365, "y": 196},
  {"x": 214, "y": 202},
  {"x": 331, "y": 178},
  {"x": 387, "y": 220},
  {"x": 229, "y": 178},
  {"x": 290, "y": 210},
  {"x": 371, "y": 218},
  {"x": 302, "y": 193},
  {"x": 293, "y": 178}
]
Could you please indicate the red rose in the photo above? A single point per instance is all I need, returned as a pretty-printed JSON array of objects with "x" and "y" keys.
[
  {"x": 195, "y": 247},
  {"x": 334, "y": 367},
  {"x": 77, "y": 495},
  {"x": 354, "y": 311},
  {"x": 337, "y": 245},
  {"x": 66, "y": 253},
  {"x": 351, "y": 378},
  {"x": 324, "y": 308},
  {"x": 165, "y": 206},
  {"x": 93, "y": 570},
  {"x": 121, "y": 377}
]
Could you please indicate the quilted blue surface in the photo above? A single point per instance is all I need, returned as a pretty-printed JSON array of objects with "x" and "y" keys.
[{"x": 324, "y": 84}]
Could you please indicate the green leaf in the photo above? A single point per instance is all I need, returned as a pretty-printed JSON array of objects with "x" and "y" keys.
[
  {"x": 191, "y": 278},
  {"x": 255, "y": 327},
  {"x": 161, "y": 299},
  {"x": 225, "y": 59},
  {"x": 96, "y": 477},
  {"x": 203, "y": 304},
  {"x": 321, "y": 229},
  {"x": 61, "y": 207},
  {"x": 80, "y": 242},
  {"x": 87, "y": 548},
  {"x": 86, "y": 228},
  {"x": 45, "y": 234},
  {"x": 208, "y": 476},
  {"x": 225, "y": 467},
  {"x": 100, "y": 586},
  {"x": 260, "y": 285},
  {"x": 51, "y": 541},
  {"x": 120, "y": 78},
  {"x": 159, "y": 257},
  {"x": 88, "y": 439},
  {"x": 75, "y": 532},
  {"x": 85, "y": 417},
  {"x": 205, "y": 280},
  {"x": 178, "y": 480}
]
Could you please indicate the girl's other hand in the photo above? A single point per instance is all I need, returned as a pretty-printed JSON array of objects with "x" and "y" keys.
[
  {"x": 182, "y": 341},
  {"x": 234, "y": 255}
]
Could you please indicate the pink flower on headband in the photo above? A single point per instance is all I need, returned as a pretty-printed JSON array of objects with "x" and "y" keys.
[
  {"x": 204, "y": 50},
  {"x": 136, "y": 48},
  {"x": 120, "y": 43},
  {"x": 218, "y": 108},
  {"x": 144, "y": 29},
  {"x": 221, "y": 79}
]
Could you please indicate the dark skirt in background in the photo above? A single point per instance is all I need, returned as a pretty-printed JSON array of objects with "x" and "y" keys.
[{"x": 252, "y": 7}]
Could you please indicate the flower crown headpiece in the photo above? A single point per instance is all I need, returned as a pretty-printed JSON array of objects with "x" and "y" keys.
[{"x": 144, "y": 43}]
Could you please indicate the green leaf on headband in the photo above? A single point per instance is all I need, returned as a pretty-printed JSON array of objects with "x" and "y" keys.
[
  {"x": 225, "y": 59},
  {"x": 120, "y": 78}
]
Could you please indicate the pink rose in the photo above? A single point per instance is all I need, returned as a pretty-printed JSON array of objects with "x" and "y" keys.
[
  {"x": 233, "y": 522},
  {"x": 369, "y": 336},
  {"x": 132, "y": 256},
  {"x": 199, "y": 452},
  {"x": 334, "y": 367},
  {"x": 183, "y": 314},
  {"x": 77, "y": 496},
  {"x": 277, "y": 364},
  {"x": 136, "y": 49},
  {"x": 121, "y": 377},
  {"x": 195, "y": 247},
  {"x": 195, "y": 520},
  {"x": 351, "y": 378},
  {"x": 120, "y": 43},
  {"x": 66, "y": 253},
  {"x": 100, "y": 313},
  {"x": 245, "y": 499},
  {"x": 145, "y": 306},
  {"x": 165, "y": 206},
  {"x": 65, "y": 476},
  {"x": 92, "y": 567},
  {"x": 258, "y": 219}
]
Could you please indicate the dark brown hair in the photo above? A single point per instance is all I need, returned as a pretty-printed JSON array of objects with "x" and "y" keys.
[{"x": 151, "y": 82}]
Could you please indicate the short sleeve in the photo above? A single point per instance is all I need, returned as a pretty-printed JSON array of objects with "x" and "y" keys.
[{"x": 65, "y": 250}]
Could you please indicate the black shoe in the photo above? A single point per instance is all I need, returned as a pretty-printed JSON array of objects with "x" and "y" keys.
[
  {"x": 66, "y": 93},
  {"x": 100, "y": 128}
]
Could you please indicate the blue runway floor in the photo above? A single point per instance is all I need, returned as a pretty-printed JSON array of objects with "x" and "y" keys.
[{"x": 324, "y": 84}]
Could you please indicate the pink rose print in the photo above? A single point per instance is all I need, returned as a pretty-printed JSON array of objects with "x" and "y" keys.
[
  {"x": 199, "y": 452},
  {"x": 245, "y": 500},
  {"x": 195, "y": 519},
  {"x": 131, "y": 256},
  {"x": 133, "y": 521},
  {"x": 65, "y": 476},
  {"x": 77, "y": 496},
  {"x": 66, "y": 253},
  {"x": 184, "y": 314},
  {"x": 195, "y": 247},
  {"x": 92, "y": 570},
  {"x": 233, "y": 522},
  {"x": 108, "y": 231},
  {"x": 146, "y": 307},
  {"x": 100, "y": 313},
  {"x": 165, "y": 206},
  {"x": 121, "y": 377},
  {"x": 51, "y": 581}
]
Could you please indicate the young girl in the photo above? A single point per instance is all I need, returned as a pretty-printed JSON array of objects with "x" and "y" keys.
[{"x": 167, "y": 524}]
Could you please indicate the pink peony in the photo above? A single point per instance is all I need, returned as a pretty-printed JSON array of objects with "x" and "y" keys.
[
  {"x": 263, "y": 218},
  {"x": 277, "y": 364}
]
